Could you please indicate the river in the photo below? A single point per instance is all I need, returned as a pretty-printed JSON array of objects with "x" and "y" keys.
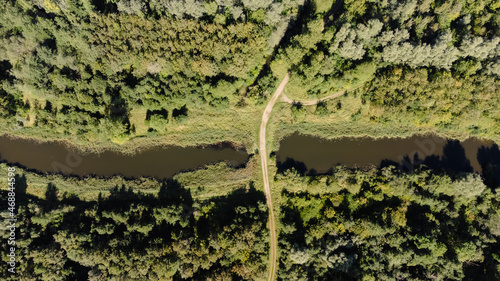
[
  {"x": 164, "y": 161},
  {"x": 320, "y": 155},
  {"x": 159, "y": 162}
]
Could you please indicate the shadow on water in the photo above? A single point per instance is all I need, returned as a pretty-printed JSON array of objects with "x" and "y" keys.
[
  {"x": 313, "y": 156},
  {"x": 454, "y": 158},
  {"x": 489, "y": 159},
  {"x": 452, "y": 161},
  {"x": 160, "y": 162},
  {"x": 289, "y": 163},
  {"x": 322, "y": 155}
]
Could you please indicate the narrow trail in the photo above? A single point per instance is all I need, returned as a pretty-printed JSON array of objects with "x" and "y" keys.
[
  {"x": 273, "y": 247},
  {"x": 286, "y": 99},
  {"x": 273, "y": 243}
]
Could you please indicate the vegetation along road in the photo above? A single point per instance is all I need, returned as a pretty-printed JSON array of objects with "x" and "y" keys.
[
  {"x": 286, "y": 99},
  {"x": 263, "y": 158}
]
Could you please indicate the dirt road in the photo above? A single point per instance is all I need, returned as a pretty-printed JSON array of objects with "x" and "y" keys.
[
  {"x": 273, "y": 243},
  {"x": 263, "y": 159}
]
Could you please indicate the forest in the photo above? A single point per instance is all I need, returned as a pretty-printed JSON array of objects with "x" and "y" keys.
[
  {"x": 194, "y": 72},
  {"x": 425, "y": 64},
  {"x": 388, "y": 225},
  {"x": 117, "y": 70},
  {"x": 133, "y": 236},
  {"x": 349, "y": 45},
  {"x": 433, "y": 219},
  {"x": 382, "y": 223}
]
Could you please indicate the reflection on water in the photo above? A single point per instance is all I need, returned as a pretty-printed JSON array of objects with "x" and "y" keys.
[
  {"x": 159, "y": 162},
  {"x": 305, "y": 152},
  {"x": 320, "y": 155}
]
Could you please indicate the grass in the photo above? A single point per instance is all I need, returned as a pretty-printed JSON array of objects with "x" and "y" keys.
[
  {"x": 205, "y": 125},
  {"x": 137, "y": 118},
  {"x": 348, "y": 116},
  {"x": 218, "y": 179},
  {"x": 241, "y": 130},
  {"x": 210, "y": 181}
]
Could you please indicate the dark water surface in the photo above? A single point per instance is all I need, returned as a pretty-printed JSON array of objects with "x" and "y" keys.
[
  {"x": 312, "y": 152},
  {"x": 321, "y": 155},
  {"x": 158, "y": 162}
]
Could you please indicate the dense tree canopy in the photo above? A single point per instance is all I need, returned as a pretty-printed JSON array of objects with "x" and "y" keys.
[
  {"x": 118, "y": 69},
  {"x": 90, "y": 71},
  {"x": 378, "y": 224},
  {"x": 99, "y": 70},
  {"x": 363, "y": 36},
  {"x": 388, "y": 225},
  {"x": 137, "y": 237}
]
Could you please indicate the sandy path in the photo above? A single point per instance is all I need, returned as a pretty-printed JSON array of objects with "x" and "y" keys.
[
  {"x": 263, "y": 159},
  {"x": 273, "y": 243}
]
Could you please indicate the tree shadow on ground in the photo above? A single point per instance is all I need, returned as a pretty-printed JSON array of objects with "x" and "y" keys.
[{"x": 290, "y": 216}]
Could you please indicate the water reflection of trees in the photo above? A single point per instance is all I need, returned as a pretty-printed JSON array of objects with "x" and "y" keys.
[{"x": 453, "y": 162}]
